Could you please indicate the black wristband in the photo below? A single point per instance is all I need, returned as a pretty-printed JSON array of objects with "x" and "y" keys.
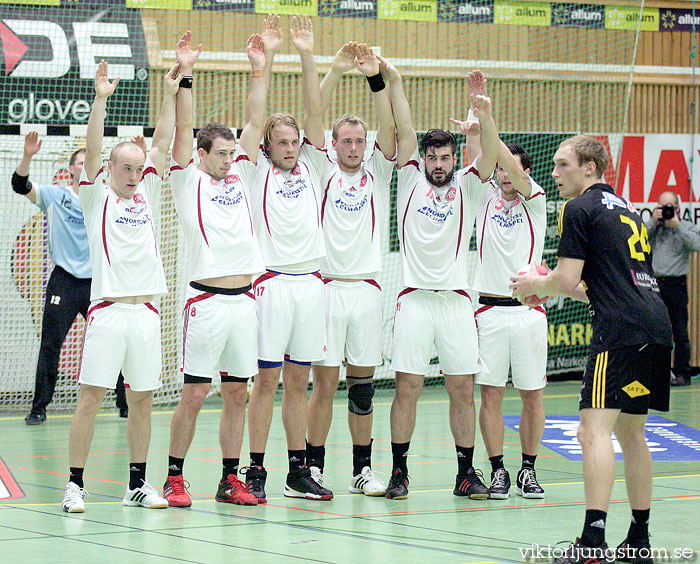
[
  {"x": 376, "y": 82},
  {"x": 21, "y": 184},
  {"x": 186, "y": 82}
]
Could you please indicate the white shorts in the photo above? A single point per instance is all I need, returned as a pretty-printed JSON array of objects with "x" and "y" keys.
[
  {"x": 353, "y": 323},
  {"x": 444, "y": 318},
  {"x": 512, "y": 337},
  {"x": 291, "y": 317},
  {"x": 122, "y": 337},
  {"x": 219, "y": 334}
]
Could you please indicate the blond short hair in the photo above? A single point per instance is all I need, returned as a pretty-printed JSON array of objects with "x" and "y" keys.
[
  {"x": 273, "y": 121},
  {"x": 348, "y": 119},
  {"x": 589, "y": 149}
]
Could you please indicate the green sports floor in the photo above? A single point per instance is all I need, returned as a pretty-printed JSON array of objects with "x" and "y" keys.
[{"x": 432, "y": 525}]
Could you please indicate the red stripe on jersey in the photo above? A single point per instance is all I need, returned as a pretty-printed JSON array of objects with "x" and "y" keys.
[
  {"x": 373, "y": 283},
  {"x": 150, "y": 306},
  {"x": 482, "y": 309},
  {"x": 461, "y": 222},
  {"x": 541, "y": 310},
  {"x": 250, "y": 295},
  {"x": 534, "y": 196},
  {"x": 242, "y": 158},
  {"x": 88, "y": 320},
  {"x": 532, "y": 236},
  {"x": 250, "y": 214},
  {"x": 405, "y": 291},
  {"x": 483, "y": 229},
  {"x": 265, "y": 276},
  {"x": 149, "y": 170},
  {"x": 403, "y": 221},
  {"x": 325, "y": 198},
  {"x": 88, "y": 182},
  {"x": 463, "y": 293},
  {"x": 414, "y": 163},
  {"x": 104, "y": 231},
  {"x": 186, "y": 321},
  {"x": 178, "y": 167},
  {"x": 317, "y": 274},
  {"x": 267, "y": 223},
  {"x": 318, "y": 213},
  {"x": 199, "y": 211},
  {"x": 371, "y": 203}
]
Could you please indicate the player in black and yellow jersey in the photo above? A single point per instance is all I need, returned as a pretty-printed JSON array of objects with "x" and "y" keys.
[{"x": 605, "y": 260}]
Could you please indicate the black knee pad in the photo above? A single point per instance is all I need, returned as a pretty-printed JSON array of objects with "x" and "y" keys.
[{"x": 360, "y": 394}]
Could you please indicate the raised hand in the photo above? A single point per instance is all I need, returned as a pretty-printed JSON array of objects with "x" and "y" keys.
[
  {"x": 302, "y": 34},
  {"x": 32, "y": 144},
  {"x": 344, "y": 59},
  {"x": 271, "y": 34},
  {"x": 255, "y": 50},
  {"x": 467, "y": 127},
  {"x": 185, "y": 55},
  {"x": 481, "y": 105},
  {"x": 171, "y": 80},
  {"x": 476, "y": 83},
  {"x": 140, "y": 142},
  {"x": 388, "y": 70},
  {"x": 103, "y": 87},
  {"x": 367, "y": 62}
]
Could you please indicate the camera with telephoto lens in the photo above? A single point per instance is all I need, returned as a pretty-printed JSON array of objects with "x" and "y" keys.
[{"x": 668, "y": 211}]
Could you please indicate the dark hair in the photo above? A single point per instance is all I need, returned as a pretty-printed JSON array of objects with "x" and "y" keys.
[
  {"x": 212, "y": 131},
  {"x": 438, "y": 138},
  {"x": 74, "y": 156},
  {"x": 517, "y": 149}
]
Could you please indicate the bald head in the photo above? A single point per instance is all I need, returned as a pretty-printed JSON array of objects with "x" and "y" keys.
[
  {"x": 128, "y": 150},
  {"x": 669, "y": 197}
]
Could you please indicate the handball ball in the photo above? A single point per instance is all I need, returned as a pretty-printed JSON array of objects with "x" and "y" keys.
[{"x": 534, "y": 301}]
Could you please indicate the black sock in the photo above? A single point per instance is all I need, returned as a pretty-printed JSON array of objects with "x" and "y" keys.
[
  {"x": 296, "y": 459},
  {"x": 639, "y": 527},
  {"x": 76, "y": 476},
  {"x": 257, "y": 458},
  {"x": 465, "y": 459},
  {"x": 316, "y": 456},
  {"x": 399, "y": 454},
  {"x": 230, "y": 466},
  {"x": 361, "y": 457},
  {"x": 496, "y": 462},
  {"x": 529, "y": 460},
  {"x": 137, "y": 474},
  {"x": 175, "y": 466},
  {"x": 594, "y": 528}
]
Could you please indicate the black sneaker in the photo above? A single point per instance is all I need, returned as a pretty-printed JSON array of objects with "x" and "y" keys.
[
  {"x": 255, "y": 477},
  {"x": 471, "y": 486},
  {"x": 635, "y": 551},
  {"x": 398, "y": 485},
  {"x": 577, "y": 553},
  {"x": 680, "y": 381},
  {"x": 124, "y": 412},
  {"x": 35, "y": 418},
  {"x": 301, "y": 484},
  {"x": 526, "y": 484},
  {"x": 500, "y": 484}
]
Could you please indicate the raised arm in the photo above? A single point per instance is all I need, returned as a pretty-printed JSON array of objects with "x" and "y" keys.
[
  {"x": 368, "y": 64},
  {"x": 20, "y": 179},
  {"x": 343, "y": 61},
  {"x": 470, "y": 128},
  {"x": 486, "y": 160},
  {"x": 184, "y": 134},
  {"x": 406, "y": 135},
  {"x": 165, "y": 127},
  {"x": 261, "y": 50},
  {"x": 303, "y": 39},
  {"x": 96, "y": 123}
]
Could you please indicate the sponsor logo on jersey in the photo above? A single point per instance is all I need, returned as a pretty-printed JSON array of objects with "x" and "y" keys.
[
  {"x": 451, "y": 193},
  {"x": 636, "y": 389},
  {"x": 292, "y": 189},
  {"x": 139, "y": 199},
  {"x": 610, "y": 200},
  {"x": 227, "y": 200},
  {"x": 134, "y": 221},
  {"x": 350, "y": 206},
  {"x": 232, "y": 178}
]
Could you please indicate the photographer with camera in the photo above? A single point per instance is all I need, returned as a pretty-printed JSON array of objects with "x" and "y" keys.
[{"x": 672, "y": 239}]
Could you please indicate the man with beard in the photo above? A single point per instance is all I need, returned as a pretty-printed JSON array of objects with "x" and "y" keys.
[{"x": 436, "y": 209}]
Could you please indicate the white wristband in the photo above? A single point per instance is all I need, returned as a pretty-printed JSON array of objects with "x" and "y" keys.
[{"x": 471, "y": 116}]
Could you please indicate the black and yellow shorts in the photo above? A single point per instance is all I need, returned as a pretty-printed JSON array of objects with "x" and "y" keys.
[{"x": 633, "y": 379}]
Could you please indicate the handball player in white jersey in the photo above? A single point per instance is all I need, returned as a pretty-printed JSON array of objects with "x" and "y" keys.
[
  {"x": 436, "y": 208},
  {"x": 286, "y": 199},
  {"x": 122, "y": 326},
  {"x": 354, "y": 208},
  {"x": 510, "y": 228},
  {"x": 220, "y": 329}
]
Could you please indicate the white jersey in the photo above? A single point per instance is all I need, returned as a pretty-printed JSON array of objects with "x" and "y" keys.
[
  {"x": 123, "y": 249},
  {"x": 217, "y": 219},
  {"x": 508, "y": 235},
  {"x": 435, "y": 225},
  {"x": 353, "y": 210},
  {"x": 286, "y": 211}
]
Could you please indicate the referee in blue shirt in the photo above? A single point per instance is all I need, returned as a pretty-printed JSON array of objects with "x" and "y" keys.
[{"x": 68, "y": 290}]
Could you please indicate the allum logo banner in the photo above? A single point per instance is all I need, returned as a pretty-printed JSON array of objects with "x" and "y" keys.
[
  {"x": 475, "y": 11},
  {"x": 522, "y": 13},
  {"x": 348, "y": 8},
  {"x": 308, "y": 7},
  {"x": 411, "y": 10}
]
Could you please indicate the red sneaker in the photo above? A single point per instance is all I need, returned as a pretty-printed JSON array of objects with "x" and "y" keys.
[
  {"x": 232, "y": 490},
  {"x": 175, "y": 491}
]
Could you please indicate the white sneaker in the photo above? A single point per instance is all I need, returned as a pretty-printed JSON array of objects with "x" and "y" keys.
[
  {"x": 318, "y": 477},
  {"x": 144, "y": 496},
  {"x": 367, "y": 483},
  {"x": 73, "y": 500}
]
